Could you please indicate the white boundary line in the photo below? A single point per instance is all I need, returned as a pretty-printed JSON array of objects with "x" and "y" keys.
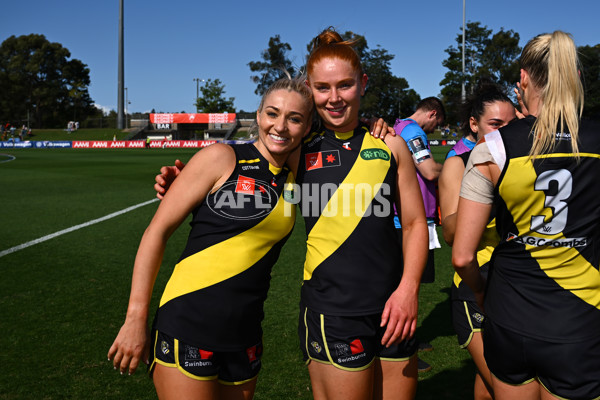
[
  {"x": 10, "y": 158},
  {"x": 74, "y": 228}
]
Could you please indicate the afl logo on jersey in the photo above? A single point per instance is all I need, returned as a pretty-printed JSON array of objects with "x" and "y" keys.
[{"x": 243, "y": 199}]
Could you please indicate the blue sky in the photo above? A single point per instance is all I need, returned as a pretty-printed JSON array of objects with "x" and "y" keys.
[{"x": 168, "y": 44}]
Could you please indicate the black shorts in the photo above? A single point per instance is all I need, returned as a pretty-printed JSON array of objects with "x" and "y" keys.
[
  {"x": 567, "y": 370},
  {"x": 348, "y": 343},
  {"x": 229, "y": 367},
  {"x": 467, "y": 319}
]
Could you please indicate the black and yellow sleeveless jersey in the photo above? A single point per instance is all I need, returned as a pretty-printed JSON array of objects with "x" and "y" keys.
[
  {"x": 214, "y": 298},
  {"x": 544, "y": 282},
  {"x": 489, "y": 240},
  {"x": 348, "y": 185}
]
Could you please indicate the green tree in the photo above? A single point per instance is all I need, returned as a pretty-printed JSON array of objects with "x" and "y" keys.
[
  {"x": 213, "y": 100},
  {"x": 38, "y": 80},
  {"x": 275, "y": 62},
  {"x": 589, "y": 56},
  {"x": 488, "y": 55},
  {"x": 387, "y": 96}
]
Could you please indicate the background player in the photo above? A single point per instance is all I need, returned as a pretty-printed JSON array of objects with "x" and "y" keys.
[
  {"x": 429, "y": 114},
  {"x": 542, "y": 299},
  {"x": 484, "y": 111}
]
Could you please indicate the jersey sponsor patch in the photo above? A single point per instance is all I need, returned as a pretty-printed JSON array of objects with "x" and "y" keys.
[
  {"x": 342, "y": 349},
  {"x": 374, "y": 154},
  {"x": 245, "y": 185},
  {"x": 205, "y": 355},
  {"x": 356, "y": 347},
  {"x": 196, "y": 357},
  {"x": 419, "y": 150},
  {"x": 347, "y": 353},
  {"x": 322, "y": 159},
  {"x": 563, "y": 136},
  {"x": 195, "y": 353},
  {"x": 254, "y": 353},
  {"x": 538, "y": 242}
]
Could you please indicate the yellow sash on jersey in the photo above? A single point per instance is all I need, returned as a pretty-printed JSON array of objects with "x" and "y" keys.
[
  {"x": 564, "y": 265},
  {"x": 232, "y": 256},
  {"x": 340, "y": 218}
]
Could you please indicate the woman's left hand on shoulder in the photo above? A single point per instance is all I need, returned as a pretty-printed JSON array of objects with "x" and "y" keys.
[{"x": 378, "y": 127}]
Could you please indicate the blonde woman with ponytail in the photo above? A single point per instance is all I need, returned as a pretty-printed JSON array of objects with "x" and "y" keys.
[{"x": 542, "y": 296}]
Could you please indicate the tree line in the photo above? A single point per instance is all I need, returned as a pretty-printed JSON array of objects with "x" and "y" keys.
[{"x": 41, "y": 83}]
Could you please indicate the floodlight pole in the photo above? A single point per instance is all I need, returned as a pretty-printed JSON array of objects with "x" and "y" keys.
[
  {"x": 121, "y": 84},
  {"x": 126, "y": 107},
  {"x": 463, "y": 92}
]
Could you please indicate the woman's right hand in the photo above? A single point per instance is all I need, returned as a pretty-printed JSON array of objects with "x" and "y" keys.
[
  {"x": 166, "y": 177},
  {"x": 131, "y": 345}
]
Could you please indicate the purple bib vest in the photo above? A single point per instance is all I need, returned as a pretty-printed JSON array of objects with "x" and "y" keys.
[
  {"x": 427, "y": 186},
  {"x": 460, "y": 147}
]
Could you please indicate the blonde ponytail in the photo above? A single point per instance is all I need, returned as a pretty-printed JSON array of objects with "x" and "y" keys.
[{"x": 552, "y": 63}]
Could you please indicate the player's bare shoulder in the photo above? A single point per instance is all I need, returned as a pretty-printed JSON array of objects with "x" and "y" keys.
[
  {"x": 398, "y": 147},
  {"x": 217, "y": 155}
]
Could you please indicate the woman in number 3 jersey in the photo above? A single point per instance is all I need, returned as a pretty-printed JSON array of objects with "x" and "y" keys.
[{"x": 542, "y": 296}]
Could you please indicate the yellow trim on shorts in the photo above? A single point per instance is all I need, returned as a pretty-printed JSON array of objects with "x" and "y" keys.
[
  {"x": 557, "y": 396},
  {"x": 237, "y": 383},
  {"x": 553, "y": 394},
  {"x": 180, "y": 368},
  {"x": 541, "y": 384},
  {"x": 516, "y": 384},
  {"x": 403, "y": 359},
  {"x": 322, "y": 319},
  {"x": 468, "y": 342},
  {"x": 155, "y": 359},
  {"x": 151, "y": 368},
  {"x": 309, "y": 359}
]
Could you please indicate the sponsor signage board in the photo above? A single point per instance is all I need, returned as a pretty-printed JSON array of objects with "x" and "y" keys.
[{"x": 164, "y": 119}]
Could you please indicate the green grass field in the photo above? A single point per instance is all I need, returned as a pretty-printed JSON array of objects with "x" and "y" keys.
[{"x": 63, "y": 301}]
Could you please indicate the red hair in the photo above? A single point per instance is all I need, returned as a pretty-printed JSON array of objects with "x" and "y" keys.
[{"x": 329, "y": 44}]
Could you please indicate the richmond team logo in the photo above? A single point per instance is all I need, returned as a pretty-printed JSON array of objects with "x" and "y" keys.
[
  {"x": 164, "y": 347},
  {"x": 243, "y": 199}
]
